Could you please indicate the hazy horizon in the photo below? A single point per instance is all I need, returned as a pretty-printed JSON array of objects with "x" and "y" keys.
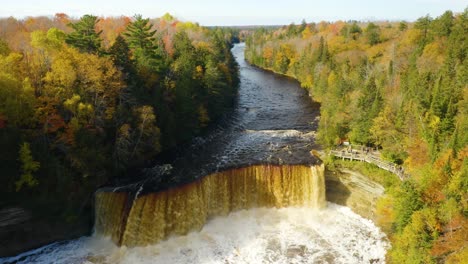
[{"x": 241, "y": 12}]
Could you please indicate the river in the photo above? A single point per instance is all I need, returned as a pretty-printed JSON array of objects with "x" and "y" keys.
[{"x": 274, "y": 123}]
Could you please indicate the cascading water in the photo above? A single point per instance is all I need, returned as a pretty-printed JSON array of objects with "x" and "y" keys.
[
  {"x": 250, "y": 192},
  {"x": 177, "y": 211}
]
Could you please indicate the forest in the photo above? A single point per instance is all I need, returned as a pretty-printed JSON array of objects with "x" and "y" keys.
[
  {"x": 86, "y": 101},
  {"x": 403, "y": 88}
]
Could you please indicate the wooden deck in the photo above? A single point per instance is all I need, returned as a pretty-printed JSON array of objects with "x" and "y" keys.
[{"x": 362, "y": 153}]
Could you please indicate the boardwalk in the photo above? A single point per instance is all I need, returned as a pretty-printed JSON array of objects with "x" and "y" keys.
[{"x": 362, "y": 153}]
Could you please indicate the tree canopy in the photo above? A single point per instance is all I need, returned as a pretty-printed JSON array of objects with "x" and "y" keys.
[
  {"x": 402, "y": 88},
  {"x": 83, "y": 102}
]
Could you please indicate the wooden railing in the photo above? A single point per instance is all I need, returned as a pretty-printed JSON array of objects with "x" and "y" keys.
[{"x": 362, "y": 153}]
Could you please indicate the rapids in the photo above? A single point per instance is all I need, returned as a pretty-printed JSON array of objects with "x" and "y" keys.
[{"x": 261, "y": 235}]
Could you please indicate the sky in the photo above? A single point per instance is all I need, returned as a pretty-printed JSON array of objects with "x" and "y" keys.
[{"x": 239, "y": 12}]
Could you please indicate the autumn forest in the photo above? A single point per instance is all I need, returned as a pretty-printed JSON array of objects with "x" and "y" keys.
[
  {"x": 83, "y": 102},
  {"x": 400, "y": 87},
  {"x": 92, "y": 100}
]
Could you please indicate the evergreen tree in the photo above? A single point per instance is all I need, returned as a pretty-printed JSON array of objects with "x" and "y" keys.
[
  {"x": 85, "y": 37},
  {"x": 423, "y": 24},
  {"x": 120, "y": 54},
  {"x": 373, "y": 34},
  {"x": 355, "y": 31},
  {"x": 141, "y": 39},
  {"x": 317, "y": 56},
  {"x": 140, "y": 34},
  {"x": 149, "y": 63},
  {"x": 28, "y": 167},
  {"x": 369, "y": 104},
  {"x": 408, "y": 202},
  {"x": 443, "y": 24}
]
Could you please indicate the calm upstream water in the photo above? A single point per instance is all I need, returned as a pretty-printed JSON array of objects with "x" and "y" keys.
[{"x": 273, "y": 123}]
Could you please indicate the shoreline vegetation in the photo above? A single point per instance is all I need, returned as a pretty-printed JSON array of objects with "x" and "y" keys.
[
  {"x": 87, "y": 101},
  {"x": 402, "y": 88}
]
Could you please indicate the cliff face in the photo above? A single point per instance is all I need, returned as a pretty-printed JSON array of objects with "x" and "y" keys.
[{"x": 354, "y": 190}]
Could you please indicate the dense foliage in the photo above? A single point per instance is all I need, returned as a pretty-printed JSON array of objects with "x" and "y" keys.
[
  {"x": 402, "y": 87},
  {"x": 82, "y": 102}
]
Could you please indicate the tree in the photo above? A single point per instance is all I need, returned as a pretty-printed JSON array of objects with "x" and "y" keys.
[
  {"x": 148, "y": 133},
  {"x": 414, "y": 243},
  {"x": 4, "y": 49},
  {"x": 146, "y": 53},
  {"x": 168, "y": 17},
  {"x": 52, "y": 40},
  {"x": 423, "y": 24},
  {"x": 303, "y": 26},
  {"x": 355, "y": 31},
  {"x": 94, "y": 79},
  {"x": 443, "y": 24},
  {"x": 385, "y": 133},
  {"x": 402, "y": 26},
  {"x": 140, "y": 35},
  {"x": 408, "y": 201},
  {"x": 120, "y": 54},
  {"x": 85, "y": 37},
  {"x": 28, "y": 167},
  {"x": 306, "y": 33},
  {"x": 17, "y": 100},
  {"x": 369, "y": 105},
  {"x": 321, "y": 53},
  {"x": 373, "y": 34}
]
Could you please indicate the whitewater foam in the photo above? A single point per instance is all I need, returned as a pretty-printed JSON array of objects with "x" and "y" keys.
[{"x": 287, "y": 235}]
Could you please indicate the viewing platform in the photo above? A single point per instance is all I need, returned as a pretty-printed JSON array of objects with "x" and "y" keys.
[{"x": 369, "y": 155}]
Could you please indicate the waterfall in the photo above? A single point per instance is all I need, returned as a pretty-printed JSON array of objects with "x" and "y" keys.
[{"x": 153, "y": 217}]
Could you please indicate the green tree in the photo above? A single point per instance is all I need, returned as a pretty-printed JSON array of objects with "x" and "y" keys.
[
  {"x": 120, "y": 54},
  {"x": 373, "y": 34},
  {"x": 424, "y": 25},
  {"x": 303, "y": 26},
  {"x": 414, "y": 243},
  {"x": 28, "y": 167},
  {"x": 408, "y": 201},
  {"x": 443, "y": 24},
  {"x": 141, "y": 39},
  {"x": 402, "y": 26},
  {"x": 369, "y": 105},
  {"x": 4, "y": 49},
  {"x": 85, "y": 37},
  {"x": 148, "y": 57},
  {"x": 355, "y": 31},
  {"x": 140, "y": 34}
]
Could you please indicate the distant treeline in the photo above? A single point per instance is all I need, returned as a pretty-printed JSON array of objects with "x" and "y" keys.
[{"x": 401, "y": 87}]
